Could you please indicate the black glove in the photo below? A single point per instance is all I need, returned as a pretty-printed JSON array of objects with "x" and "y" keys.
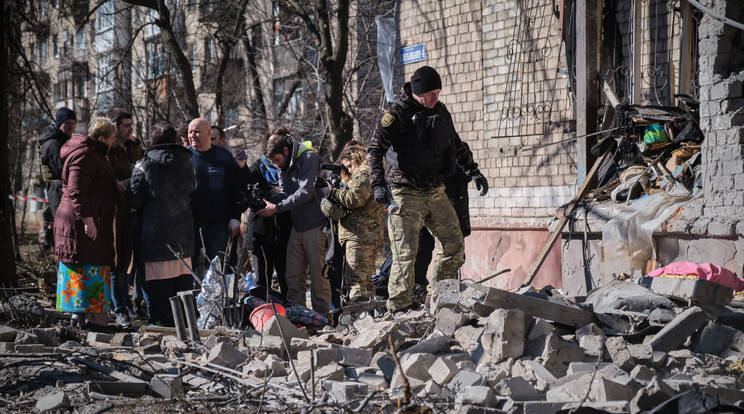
[
  {"x": 481, "y": 183},
  {"x": 382, "y": 195}
]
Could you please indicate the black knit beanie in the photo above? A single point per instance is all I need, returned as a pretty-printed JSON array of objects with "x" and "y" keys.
[
  {"x": 425, "y": 79},
  {"x": 63, "y": 114}
]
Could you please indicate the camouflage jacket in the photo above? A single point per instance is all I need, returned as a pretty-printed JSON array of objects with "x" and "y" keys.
[
  {"x": 390, "y": 128},
  {"x": 364, "y": 222}
]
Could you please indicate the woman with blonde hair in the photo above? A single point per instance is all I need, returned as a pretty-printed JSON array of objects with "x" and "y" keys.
[
  {"x": 361, "y": 230},
  {"x": 83, "y": 226}
]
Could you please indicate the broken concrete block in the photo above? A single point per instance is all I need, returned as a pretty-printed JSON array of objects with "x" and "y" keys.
[
  {"x": 98, "y": 339},
  {"x": 167, "y": 386},
  {"x": 256, "y": 367},
  {"x": 430, "y": 388},
  {"x": 617, "y": 347},
  {"x": 466, "y": 365},
  {"x": 556, "y": 353},
  {"x": 349, "y": 392},
  {"x": 515, "y": 387},
  {"x": 30, "y": 348},
  {"x": 442, "y": 370},
  {"x": 151, "y": 349},
  {"x": 415, "y": 367},
  {"x": 226, "y": 355},
  {"x": 445, "y": 294},
  {"x": 494, "y": 373},
  {"x": 448, "y": 321},
  {"x": 330, "y": 372},
  {"x": 24, "y": 337},
  {"x": 377, "y": 382},
  {"x": 589, "y": 329},
  {"x": 677, "y": 331},
  {"x": 275, "y": 365},
  {"x": 480, "y": 395},
  {"x": 471, "y": 299},
  {"x": 319, "y": 356},
  {"x": 643, "y": 374},
  {"x": 464, "y": 379},
  {"x": 469, "y": 337},
  {"x": 542, "y": 407},
  {"x": 46, "y": 336},
  {"x": 279, "y": 324},
  {"x": 535, "y": 373},
  {"x": 642, "y": 353},
  {"x": 593, "y": 345},
  {"x": 7, "y": 334},
  {"x": 56, "y": 400},
  {"x": 717, "y": 339},
  {"x": 434, "y": 344},
  {"x": 7, "y": 347},
  {"x": 655, "y": 393},
  {"x": 627, "y": 296},
  {"x": 503, "y": 336},
  {"x": 576, "y": 367},
  {"x": 215, "y": 339},
  {"x": 600, "y": 389},
  {"x": 385, "y": 363},
  {"x": 268, "y": 343},
  {"x": 538, "y": 328},
  {"x": 349, "y": 356},
  {"x": 122, "y": 339},
  {"x": 697, "y": 291}
]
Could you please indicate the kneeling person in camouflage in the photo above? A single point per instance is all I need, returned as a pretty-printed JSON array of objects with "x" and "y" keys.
[{"x": 416, "y": 136}]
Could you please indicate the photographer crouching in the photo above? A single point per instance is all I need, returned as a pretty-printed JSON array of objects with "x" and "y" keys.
[{"x": 360, "y": 219}]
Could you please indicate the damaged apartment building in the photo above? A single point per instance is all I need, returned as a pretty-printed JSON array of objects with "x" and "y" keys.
[{"x": 534, "y": 86}]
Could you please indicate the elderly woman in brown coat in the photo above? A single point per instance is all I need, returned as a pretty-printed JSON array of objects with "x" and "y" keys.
[{"x": 83, "y": 234}]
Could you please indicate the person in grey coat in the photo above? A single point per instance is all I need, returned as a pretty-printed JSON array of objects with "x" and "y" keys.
[{"x": 160, "y": 188}]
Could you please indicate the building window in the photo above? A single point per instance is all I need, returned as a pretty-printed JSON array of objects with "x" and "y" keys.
[
  {"x": 79, "y": 88},
  {"x": 65, "y": 43},
  {"x": 138, "y": 74},
  {"x": 105, "y": 16},
  {"x": 43, "y": 7},
  {"x": 43, "y": 51},
  {"x": 55, "y": 47},
  {"x": 210, "y": 55},
  {"x": 156, "y": 58},
  {"x": 231, "y": 116},
  {"x": 193, "y": 58},
  {"x": 104, "y": 73}
]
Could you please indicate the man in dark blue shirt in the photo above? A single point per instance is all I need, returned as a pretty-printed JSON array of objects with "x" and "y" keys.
[{"x": 216, "y": 200}]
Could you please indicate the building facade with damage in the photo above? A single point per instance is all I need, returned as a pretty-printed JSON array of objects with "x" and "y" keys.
[{"x": 530, "y": 83}]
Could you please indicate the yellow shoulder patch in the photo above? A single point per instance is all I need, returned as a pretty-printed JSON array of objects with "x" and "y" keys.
[{"x": 387, "y": 120}]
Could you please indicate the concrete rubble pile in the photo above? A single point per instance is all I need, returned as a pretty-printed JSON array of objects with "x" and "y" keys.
[{"x": 625, "y": 348}]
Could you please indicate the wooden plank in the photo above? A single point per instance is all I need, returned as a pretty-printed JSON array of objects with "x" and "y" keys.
[
  {"x": 587, "y": 76},
  {"x": 538, "y": 308},
  {"x": 564, "y": 220},
  {"x": 637, "y": 41},
  {"x": 686, "y": 46}
]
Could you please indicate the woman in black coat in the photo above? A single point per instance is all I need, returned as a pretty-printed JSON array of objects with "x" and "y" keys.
[{"x": 160, "y": 189}]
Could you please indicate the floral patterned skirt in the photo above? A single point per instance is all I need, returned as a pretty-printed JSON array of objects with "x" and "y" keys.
[{"x": 83, "y": 288}]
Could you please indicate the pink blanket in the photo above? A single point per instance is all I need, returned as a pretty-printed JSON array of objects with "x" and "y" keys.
[{"x": 706, "y": 271}]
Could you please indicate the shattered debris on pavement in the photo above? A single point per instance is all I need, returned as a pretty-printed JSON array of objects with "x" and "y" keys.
[{"x": 626, "y": 347}]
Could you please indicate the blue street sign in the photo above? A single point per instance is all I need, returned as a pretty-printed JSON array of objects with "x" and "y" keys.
[{"x": 410, "y": 54}]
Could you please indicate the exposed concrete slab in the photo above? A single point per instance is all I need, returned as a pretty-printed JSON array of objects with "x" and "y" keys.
[
  {"x": 697, "y": 291},
  {"x": 677, "y": 332}
]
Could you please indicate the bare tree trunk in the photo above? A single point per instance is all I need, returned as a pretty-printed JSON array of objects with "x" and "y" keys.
[
  {"x": 8, "y": 275},
  {"x": 258, "y": 97},
  {"x": 174, "y": 50}
]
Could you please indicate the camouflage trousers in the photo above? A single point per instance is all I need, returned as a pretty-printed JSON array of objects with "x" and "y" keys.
[
  {"x": 416, "y": 208},
  {"x": 359, "y": 268}
]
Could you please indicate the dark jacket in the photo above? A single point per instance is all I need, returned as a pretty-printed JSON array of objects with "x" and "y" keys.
[
  {"x": 217, "y": 197},
  {"x": 391, "y": 129},
  {"x": 88, "y": 190},
  {"x": 50, "y": 143},
  {"x": 122, "y": 158},
  {"x": 298, "y": 195},
  {"x": 160, "y": 188}
]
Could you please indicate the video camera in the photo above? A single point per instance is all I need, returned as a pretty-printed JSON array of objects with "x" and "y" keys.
[
  {"x": 333, "y": 176},
  {"x": 253, "y": 197}
]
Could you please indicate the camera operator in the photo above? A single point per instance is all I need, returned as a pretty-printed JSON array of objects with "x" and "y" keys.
[
  {"x": 361, "y": 230},
  {"x": 310, "y": 237},
  {"x": 266, "y": 237}
]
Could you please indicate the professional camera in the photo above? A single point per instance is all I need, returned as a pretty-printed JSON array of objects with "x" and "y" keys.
[
  {"x": 253, "y": 197},
  {"x": 333, "y": 177}
]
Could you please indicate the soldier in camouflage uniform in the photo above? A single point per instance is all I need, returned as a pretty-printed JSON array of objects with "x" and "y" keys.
[
  {"x": 360, "y": 232},
  {"x": 416, "y": 136}
]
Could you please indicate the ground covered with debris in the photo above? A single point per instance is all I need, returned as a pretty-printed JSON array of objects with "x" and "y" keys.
[{"x": 661, "y": 345}]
